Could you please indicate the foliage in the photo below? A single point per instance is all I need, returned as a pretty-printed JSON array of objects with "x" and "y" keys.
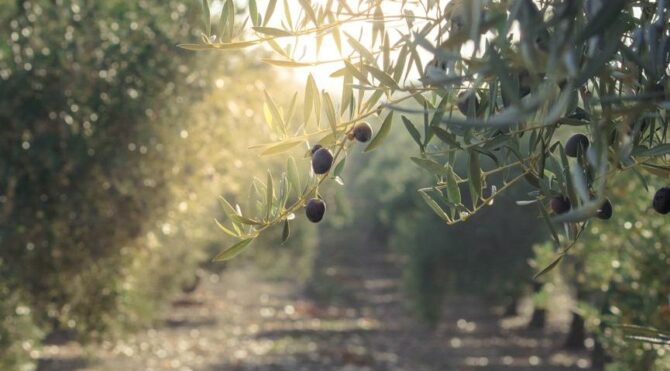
[
  {"x": 114, "y": 149},
  {"x": 522, "y": 72},
  {"x": 74, "y": 201},
  {"x": 624, "y": 278},
  {"x": 18, "y": 333},
  {"x": 478, "y": 258}
]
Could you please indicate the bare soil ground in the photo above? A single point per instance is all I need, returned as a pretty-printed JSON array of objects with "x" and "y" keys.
[{"x": 239, "y": 321}]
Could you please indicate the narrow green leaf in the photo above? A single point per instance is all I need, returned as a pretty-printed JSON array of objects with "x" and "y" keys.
[
  {"x": 316, "y": 98},
  {"x": 207, "y": 18},
  {"x": 400, "y": 64},
  {"x": 230, "y": 10},
  {"x": 228, "y": 209},
  {"x": 374, "y": 98},
  {"x": 221, "y": 46},
  {"x": 430, "y": 165},
  {"x": 286, "y": 232},
  {"x": 196, "y": 47},
  {"x": 308, "y": 102},
  {"x": 550, "y": 225},
  {"x": 281, "y": 147},
  {"x": 269, "y": 196},
  {"x": 434, "y": 206},
  {"x": 646, "y": 334},
  {"x": 475, "y": 178},
  {"x": 287, "y": 14},
  {"x": 383, "y": 132},
  {"x": 446, "y": 136},
  {"x": 453, "y": 190},
  {"x": 427, "y": 132},
  {"x": 293, "y": 174},
  {"x": 307, "y": 6},
  {"x": 223, "y": 25},
  {"x": 253, "y": 13},
  {"x": 233, "y": 251},
  {"x": 276, "y": 115},
  {"x": 355, "y": 72},
  {"x": 386, "y": 53},
  {"x": 269, "y": 11},
  {"x": 330, "y": 111},
  {"x": 272, "y": 31},
  {"x": 382, "y": 77},
  {"x": 412, "y": 131},
  {"x": 227, "y": 22},
  {"x": 360, "y": 48},
  {"x": 291, "y": 110},
  {"x": 226, "y": 230},
  {"x": 285, "y": 63},
  {"x": 244, "y": 220},
  {"x": 338, "y": 169},
  {"x": 549, "y": 267},
  {"x": 347, "y": 93},
  {"x": 659, "y": 150},
  {"x": 439, "y": 111}
]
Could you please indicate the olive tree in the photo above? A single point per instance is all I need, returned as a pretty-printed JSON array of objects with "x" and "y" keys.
[{"x": 504, "y": 80}]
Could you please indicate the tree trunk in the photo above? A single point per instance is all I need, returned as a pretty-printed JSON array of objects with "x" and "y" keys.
[
  {"x": 539, "y": 317},
  {"x": 577, "y": 334},
  {"x": 598, "y": 357},
  {"x": 511, "y": 309}
]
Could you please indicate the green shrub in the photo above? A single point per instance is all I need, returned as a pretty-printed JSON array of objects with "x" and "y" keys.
[
  {"x": 619, "y": 268},
  {"x": 115, "y": 146},
  {"x": 19, "y": 335}
]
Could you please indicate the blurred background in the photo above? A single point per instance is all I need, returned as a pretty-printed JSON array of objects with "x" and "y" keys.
[{"x": 115, "y": 146}]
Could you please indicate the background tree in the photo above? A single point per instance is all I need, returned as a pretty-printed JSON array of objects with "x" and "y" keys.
[{"x": 115, "y": 146}]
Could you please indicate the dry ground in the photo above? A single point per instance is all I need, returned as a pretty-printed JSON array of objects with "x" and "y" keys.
[{"x": 239, "y": 321}]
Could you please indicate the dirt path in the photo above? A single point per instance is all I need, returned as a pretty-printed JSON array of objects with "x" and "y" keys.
[{"x": 237, "y": 321}]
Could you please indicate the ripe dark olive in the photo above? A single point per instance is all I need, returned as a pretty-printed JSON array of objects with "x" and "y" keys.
[
  {"x": 362, "y": 132},
  {"x": 579, "y": 114},
  {"x": 322, "y": 160},
  {"x": 605, "y": 211},
  {"x": 661, "y": 201},
  {"x": 315, "y": 209},
  {"x": 316, "y": 148},
  {"x": 464, "y": 105},
  {"x": 576, "y": 144},
  {"x": 560, "y": 205}
]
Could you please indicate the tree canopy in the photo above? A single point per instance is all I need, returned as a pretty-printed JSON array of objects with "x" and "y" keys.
[{"x": 500, "y": 84}]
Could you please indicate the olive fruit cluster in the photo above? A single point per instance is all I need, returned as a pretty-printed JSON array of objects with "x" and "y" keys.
[
  {"x": 576, "y": 144},
  {"x": 322, "y": 162}
]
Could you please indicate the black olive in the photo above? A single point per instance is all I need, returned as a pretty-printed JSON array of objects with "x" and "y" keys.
[
  {"x": 661, "y": 201},
  {"x": 576, "y": 144},
  {"x": 605, "y": 211},
  {"x": 362, "y": 132},
  {"x": 560, "y": 205},
  {"x": 322, "y": 160},
  {"x": 315, "y": 209}
]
